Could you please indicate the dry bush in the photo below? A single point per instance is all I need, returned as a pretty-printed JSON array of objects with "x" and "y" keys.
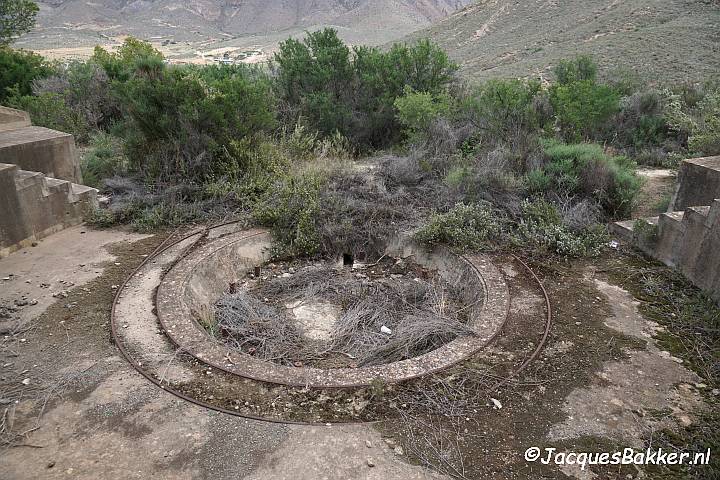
[
  {"x": 418, "y": 313},
  {"x": 578, "y": 214},
  {"x": 359, "y": 213},
  {"x": 401, "y": 170},
  {"x": 442, "y": 139},
  {"x": 248, "y": 324},
  {"x": 597, "y": 178},
  {"x": 422, "y": 315}
]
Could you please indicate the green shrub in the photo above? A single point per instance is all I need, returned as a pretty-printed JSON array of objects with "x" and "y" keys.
[
  {"x": 103, "y": 159},
  {"x": 147, "y": 212},
  {"x": 538, "y": 181},
  {"x": 641, "y": 123},
  {"x": 541, "y": 227},
  {"x": 101, "y": 218},
  {"x": 86, "y": 89},
  {"x": 265, "y": 164},
  {"x": 458, "y": 175},
  {"x": 583, "y": 108},
  {"x": 125, "y": 60},
  {"x": 165, "y": 214},
  {"x": 300, "y": 143},
  {"x": 16, "y": 17},
  {"x": 291, "y": 210},
  {"x": 585, "y": 169},
  {"x": 183, "y": 128},
  {"x": 579, "y": 69},
  {"x": 503, "y": 109},
  {"x": 18, "y": 70},
  {"x": 417, "y": 110},
  {"x": 705, "y": 137},
  {"x": 464, "y": 227},
  {"x": 50, "y": 110},
  {"x": 330, "y": 88}
]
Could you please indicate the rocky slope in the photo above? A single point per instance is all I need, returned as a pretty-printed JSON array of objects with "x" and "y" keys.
[
  {"x": 668, "y": 40},
  {"x": 184, "y": 20}
]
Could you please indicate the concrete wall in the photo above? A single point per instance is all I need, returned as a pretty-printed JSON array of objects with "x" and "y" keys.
[
  {"x": 33, "y": 206},
  {"x": 11, "y": 119},
  {"x": 700, "y": 261},
  {"x": 43, "y": 150},
  {"x": 687, "y": 237},
  {"x": 13, "y": 228},
  {"x": 698, "y": 183},
  {"x": 688, "y": 241}
]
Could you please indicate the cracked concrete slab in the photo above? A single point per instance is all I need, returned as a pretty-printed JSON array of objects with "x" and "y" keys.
[{"x": 648, "y": 391}]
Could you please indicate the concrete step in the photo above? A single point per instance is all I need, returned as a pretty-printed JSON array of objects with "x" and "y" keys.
[
  {"x": 25, "y": 179},
  {"x": 33, "y": 206},
  {"x": 7, "y": 170},
  {"x": 83, "y": 193},
  {"x": 623, "y": 230},
  {"x": 698, "y": 182},
  {"x": 626, "y": 232},
  {"x": 701, "y": 211},
  {"x": 696, "y": 229},
  {"x": 30, "y": 185},
  {"x": 60, "y": 187},
  {"x": 714, "y": 214},
  {"x": 30, "y": 135},
  {"x": 40, "y": 149},
  {"x": 34, "y": 187},
  {"x": 671, "y": 233}
]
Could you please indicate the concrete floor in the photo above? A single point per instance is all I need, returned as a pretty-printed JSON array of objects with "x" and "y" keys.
[
  {"x": 113, "y": 424},
  {"x": 87, "y": 414}
]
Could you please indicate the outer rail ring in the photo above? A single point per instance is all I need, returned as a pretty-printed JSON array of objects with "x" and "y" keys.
[{"x": 171, "y": 242}]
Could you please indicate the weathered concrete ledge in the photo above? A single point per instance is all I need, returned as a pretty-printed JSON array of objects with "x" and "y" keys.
[
  {"x": 11, "y": 119},
  {"x": 698, "y": 183},
  {"x": 33, "y": 206},
  {"x": 40, "y": 149},
  {"x": 197, "y": 281},
  {"x": 689, "y": 238}
]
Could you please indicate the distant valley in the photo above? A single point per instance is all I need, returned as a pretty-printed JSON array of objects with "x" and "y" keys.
[{"x": 204, "y": 30}]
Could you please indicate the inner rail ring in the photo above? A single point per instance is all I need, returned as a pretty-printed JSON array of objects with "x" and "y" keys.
[{"x": 222, "y": 260}]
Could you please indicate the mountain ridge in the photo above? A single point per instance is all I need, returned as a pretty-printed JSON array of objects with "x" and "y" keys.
[
  {"x": 240, "y": 17},
  {"x": 672, "y": 39}
]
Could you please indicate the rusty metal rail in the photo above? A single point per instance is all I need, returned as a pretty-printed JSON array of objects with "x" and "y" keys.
[{"x": 171, "y": 241}]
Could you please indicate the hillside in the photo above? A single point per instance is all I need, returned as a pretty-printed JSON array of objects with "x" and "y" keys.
[
  {"x": 668, "y": 40},
  {"x": 71, "y": 26}
]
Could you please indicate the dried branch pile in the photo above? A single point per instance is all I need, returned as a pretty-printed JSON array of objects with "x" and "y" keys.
[{"x": 421, "y": 310}]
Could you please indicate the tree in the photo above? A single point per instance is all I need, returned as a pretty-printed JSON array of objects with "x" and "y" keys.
[
  {"x": 582, "y": 68},
  {"x": 16, "y": 17},
  {"x": 330, "y": 88},
  {"x": 131, "y": 55},
  {"x": 18, "y": 70},
  {"x": 582, "y": 105},
  {"x": 314, "y": 79},
  {"x": 183, "y": 128}
]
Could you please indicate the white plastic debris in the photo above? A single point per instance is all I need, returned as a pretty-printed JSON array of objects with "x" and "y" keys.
[
  {"x": 385, "y": 330},
  {"x": 614, "y": 244},
  {"x": 26, "y": 381},
  {"x": 497, "y": 403}
]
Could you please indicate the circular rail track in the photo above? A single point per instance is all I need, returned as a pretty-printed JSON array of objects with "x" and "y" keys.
[{"x": 144, "y": 343}]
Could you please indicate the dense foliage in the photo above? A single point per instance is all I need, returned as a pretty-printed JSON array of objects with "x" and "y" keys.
[
  {"x": 16, "y": 17},
  {"x": 517, "y": 162},
  {"x": 18, "y": 71},
  {"x": 329, "y": 87}
]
